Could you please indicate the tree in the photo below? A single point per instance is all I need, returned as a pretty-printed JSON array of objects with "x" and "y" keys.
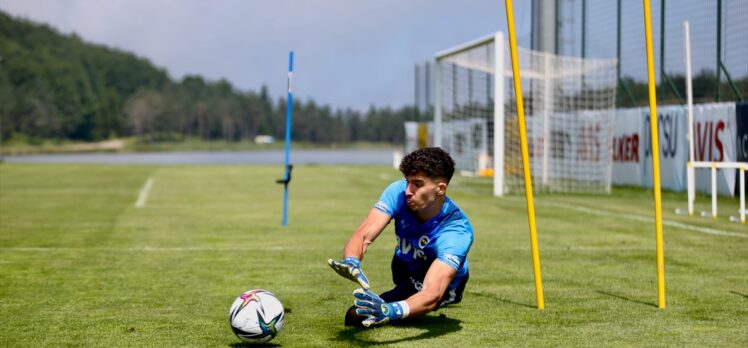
[{"x": 142, "y": 109}]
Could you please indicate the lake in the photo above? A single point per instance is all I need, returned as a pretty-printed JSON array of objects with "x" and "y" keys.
[{"x": 324, "y": 157}]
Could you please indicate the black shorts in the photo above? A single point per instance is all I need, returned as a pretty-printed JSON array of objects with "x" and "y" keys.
[{"x": 408, "y": 283}]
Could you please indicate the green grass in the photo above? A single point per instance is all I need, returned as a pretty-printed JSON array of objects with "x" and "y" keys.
[{"x": 81, "y": 266}]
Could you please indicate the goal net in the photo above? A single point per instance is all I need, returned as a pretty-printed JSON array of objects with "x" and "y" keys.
[{"x": 569, "y": 107}]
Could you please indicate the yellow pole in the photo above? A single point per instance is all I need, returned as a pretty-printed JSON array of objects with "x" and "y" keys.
[
  {"x": 525, "y": 154},
  {"x": 655, "y": 156}
]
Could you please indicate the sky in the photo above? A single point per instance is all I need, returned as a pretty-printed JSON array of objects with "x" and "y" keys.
[{"x": 347, "y": 53}]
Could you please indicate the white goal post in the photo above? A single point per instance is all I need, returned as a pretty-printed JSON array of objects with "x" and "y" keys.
[{"x": 569, "y": 103}]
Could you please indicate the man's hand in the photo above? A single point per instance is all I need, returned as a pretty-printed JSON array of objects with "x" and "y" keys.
[
  {"x": 350, "y": 268},
  {"x": 376, "y": 311}
]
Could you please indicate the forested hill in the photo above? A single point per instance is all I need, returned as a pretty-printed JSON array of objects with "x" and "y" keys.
[{"x": 59, "y": 86}]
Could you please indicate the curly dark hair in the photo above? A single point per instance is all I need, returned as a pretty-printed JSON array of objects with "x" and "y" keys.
[{"x": 434, "y": 162}]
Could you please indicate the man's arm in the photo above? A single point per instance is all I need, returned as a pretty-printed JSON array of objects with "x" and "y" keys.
[
  {"x": 366, "y": 233},
  {"x": 435, "y": 284}
]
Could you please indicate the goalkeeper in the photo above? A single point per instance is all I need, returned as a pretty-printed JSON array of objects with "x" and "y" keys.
[{"x": 430, "y": 266}]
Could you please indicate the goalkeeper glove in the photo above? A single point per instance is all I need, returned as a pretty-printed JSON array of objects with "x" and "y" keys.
[
  {"x": 350, "y": 268},
  {"x": 376, "y": 311}
]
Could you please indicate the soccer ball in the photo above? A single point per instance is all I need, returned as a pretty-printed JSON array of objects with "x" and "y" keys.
[{"x": 256, "y": 316}]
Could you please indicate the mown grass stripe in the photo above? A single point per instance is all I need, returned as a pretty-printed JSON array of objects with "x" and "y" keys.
[
  {"x": 144, "y": 192},
  {"x": 640, "y": 218}
]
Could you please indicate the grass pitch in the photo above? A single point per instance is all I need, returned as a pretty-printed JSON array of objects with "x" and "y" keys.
[{"x": 80, "y": 265}]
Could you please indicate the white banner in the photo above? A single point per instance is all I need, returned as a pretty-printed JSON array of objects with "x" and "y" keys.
[
  {"x": 672, "y": 125},
  {"x": 628, "y": 146},
  {"x": 714, "y": 140},
  {"x": 714, "y": 131},
  {"x": 578, "y": 146},
  {"x": 466, "y": 141}
]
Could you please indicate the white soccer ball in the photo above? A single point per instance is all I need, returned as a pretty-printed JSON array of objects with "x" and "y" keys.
[{"x": 256, "y": 316}]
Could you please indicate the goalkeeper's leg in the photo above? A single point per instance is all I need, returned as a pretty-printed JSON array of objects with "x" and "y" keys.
[
  {"x": 406, "y": 285},
  {"x": 452, "y": 296},
  {"x": 399, "y": 293}
]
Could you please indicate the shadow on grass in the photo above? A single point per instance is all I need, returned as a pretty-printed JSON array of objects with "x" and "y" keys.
[
  {"x": 435, "y": 326},
  {"x": 625, "y": 298},
  {"x": 501, "y": 299},
  {"x": 739, "y": 294}
]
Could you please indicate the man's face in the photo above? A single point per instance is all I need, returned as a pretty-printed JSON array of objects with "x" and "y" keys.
[{"x": 422, "y": 191}]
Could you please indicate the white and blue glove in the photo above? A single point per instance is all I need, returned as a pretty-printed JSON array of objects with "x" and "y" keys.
[
  {"x": 376, "y": 311},
  {"x": 350, "y": 268}
]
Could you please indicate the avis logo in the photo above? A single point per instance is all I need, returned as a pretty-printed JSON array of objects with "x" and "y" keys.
[
  {"x": 708, "y": 145},
  {"x": 406, "y": 247}
]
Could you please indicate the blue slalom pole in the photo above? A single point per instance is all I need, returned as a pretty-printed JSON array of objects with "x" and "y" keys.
[{"x": 288, "y": 167}]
